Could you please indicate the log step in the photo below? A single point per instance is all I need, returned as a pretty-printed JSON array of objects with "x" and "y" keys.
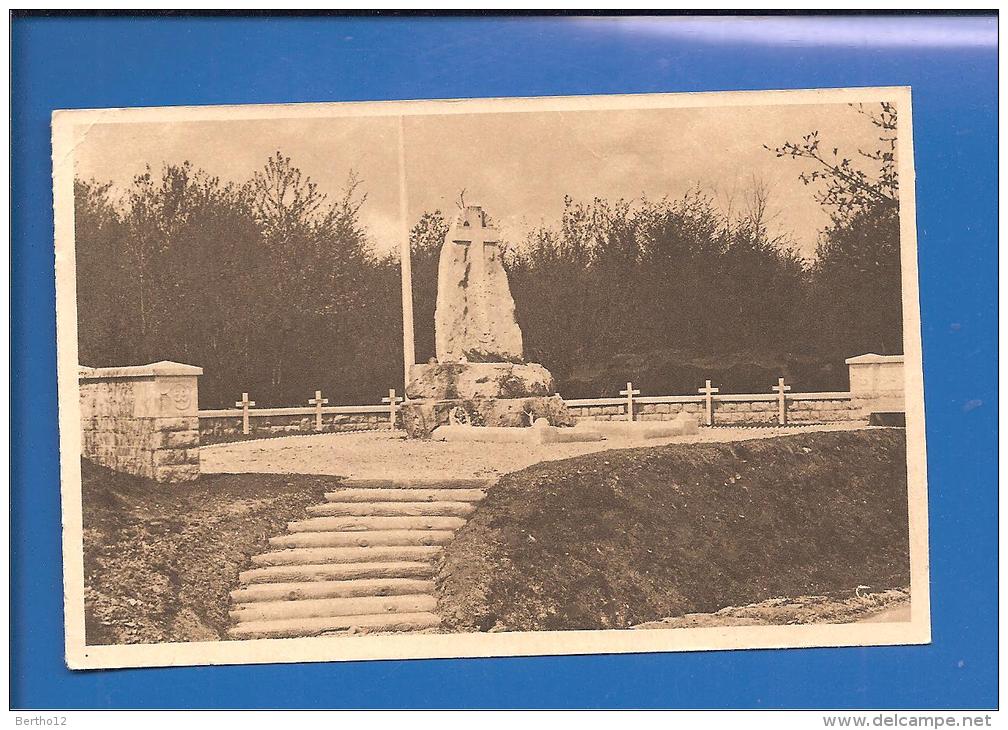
[
  {"x": 336, "y": 571},
  {"x": 352, "y": 524},
  {"x": 416, "y": 483},
  {"x": 361, "y": 562},
  {"x": 296, "y": 591},
  {"x": 321, "y": 555},
  {"x": 406, "y": 495},
  {"x": 289, "y": 628},
  {"x": 328, "y": 607},
  {"x": 393, "y": 509},
  {"x": 361, "y": 538}
]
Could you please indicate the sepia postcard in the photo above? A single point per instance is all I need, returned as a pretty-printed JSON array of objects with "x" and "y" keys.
[{"x": 489, "y": 377}]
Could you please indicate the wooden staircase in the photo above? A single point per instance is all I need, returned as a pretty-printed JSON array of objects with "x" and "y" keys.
[{"x": 361, "y": 562}]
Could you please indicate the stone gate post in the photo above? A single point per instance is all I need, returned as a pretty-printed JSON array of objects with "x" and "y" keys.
[
  {"x": 876, "y": 382},
  {"x": 142, "y": 419}
]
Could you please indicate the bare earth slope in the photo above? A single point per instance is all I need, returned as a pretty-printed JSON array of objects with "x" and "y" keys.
[
  {"x": 618, "y": 538},
  {"x": 160, "y": 560}
]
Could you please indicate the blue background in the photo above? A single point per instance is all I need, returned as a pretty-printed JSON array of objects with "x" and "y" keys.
[{"x": 110, "y": 62}]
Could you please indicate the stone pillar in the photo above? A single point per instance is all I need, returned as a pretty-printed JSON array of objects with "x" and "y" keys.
[
  {"x": 142, "y": 419},
  {"x": 876, "y": 382}
]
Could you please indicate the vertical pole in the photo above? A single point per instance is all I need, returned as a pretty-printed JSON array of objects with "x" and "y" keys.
[
  {"x": 708, "y": 392},
  {"x": 245, "y": 413},
  {"x": 781, "y": 402},
  {"x": 318, "y": 410},
  {"x": 405, "y": 265},
  {"x": 392, "y": 400}
]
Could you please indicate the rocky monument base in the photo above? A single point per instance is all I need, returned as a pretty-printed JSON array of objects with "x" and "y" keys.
[
  {"x": 474, "y": 380},
  {"x": 421, "y": 417}
]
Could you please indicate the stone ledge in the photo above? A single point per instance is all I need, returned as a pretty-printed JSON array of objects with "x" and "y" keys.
[
  {"x": 871, "y": 357},
  {"x": 682, "y": 425},
  {"x": 541, "y": 433},
  {"x": 163, "y": 367}
]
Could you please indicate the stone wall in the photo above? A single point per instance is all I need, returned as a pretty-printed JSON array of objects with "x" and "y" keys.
[
  {"x": 876, "y": 386},
  {"x": 222, "y": 426},
  {"x": 728, "y": 410},
  {"x": 142, "y": 419},
  {"x": 606, "y": 411}
]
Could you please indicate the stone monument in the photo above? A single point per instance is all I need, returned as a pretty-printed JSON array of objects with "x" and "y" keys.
[
  {"x": 479, "y": 376},
  {"x": 475, "y": 316}
]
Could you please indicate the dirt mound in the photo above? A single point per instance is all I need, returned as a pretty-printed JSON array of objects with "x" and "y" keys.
[
  {"x": 843, "y": 609},
  {"x": 618, "y": 538},
  {"x": 160, "y": 559}
]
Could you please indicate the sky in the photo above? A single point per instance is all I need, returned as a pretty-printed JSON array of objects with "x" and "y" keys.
[{"x": 518, "y": 165}]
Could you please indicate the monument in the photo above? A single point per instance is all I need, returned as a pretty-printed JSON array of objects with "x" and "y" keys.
[
  {"x": 475, "y": 316},
  {"x": 479, "y": 376}
]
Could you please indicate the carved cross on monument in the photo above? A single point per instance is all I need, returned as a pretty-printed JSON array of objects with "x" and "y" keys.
[
  {"x": 474, "y": 320},
  {"x": 709, "y": 392},
  {"x": 481, "y": 238},
  {"x": 629, "y": 393},
  {"x": 392, "y": 400},
  {"x": 781, "y": 389},
  {"x": 318, "y": 401},
  {"x": 245, "y": 404}
]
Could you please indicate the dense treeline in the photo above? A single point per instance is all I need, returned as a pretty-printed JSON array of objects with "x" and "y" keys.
[
  {"x": 653, "y": 279},
  {"x": 275, "y": 289},
  {"x": 267, "y": 285}
]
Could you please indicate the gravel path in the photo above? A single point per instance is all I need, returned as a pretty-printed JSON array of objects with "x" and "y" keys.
[{"x": 390, "y": 455}]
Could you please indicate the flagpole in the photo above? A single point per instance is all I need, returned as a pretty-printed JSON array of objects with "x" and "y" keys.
[{"x": 406, "y": 269}]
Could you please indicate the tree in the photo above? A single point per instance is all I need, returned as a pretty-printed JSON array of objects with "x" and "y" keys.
[
  {"x": 856, "y": 287},
  {"x": 623, "y": 284},
  {"x": 267, "y": 284},
  {"x": 426, "y": 239},
  {"x": 101, "y": 272},
  {"x": 316, "y": 256},
  {"x": 284, "y": 201},
  {"x": 845, "y": 188}
]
